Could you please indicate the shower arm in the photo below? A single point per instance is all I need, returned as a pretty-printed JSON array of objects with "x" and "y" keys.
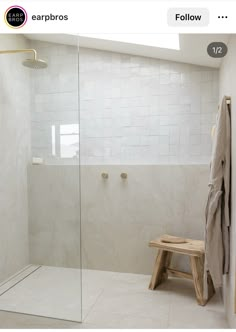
[{"x": 28, "y": 50}]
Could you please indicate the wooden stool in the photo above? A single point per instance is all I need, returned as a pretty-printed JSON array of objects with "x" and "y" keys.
[{"x": 168, "y": 245}]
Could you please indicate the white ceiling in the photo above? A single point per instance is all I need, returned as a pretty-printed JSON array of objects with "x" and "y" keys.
[{"x": 192, "y": 47}]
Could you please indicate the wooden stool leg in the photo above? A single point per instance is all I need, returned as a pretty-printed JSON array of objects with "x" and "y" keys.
[
  {"x": 159, "y": 273},
  {"x": 197, "y": 266}
]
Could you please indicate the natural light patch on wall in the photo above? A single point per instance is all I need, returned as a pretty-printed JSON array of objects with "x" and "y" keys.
[
  {"x": 69, "y": 141},
  {"x": 65, "y": 140},
  {"x": 169, "y": 41}
]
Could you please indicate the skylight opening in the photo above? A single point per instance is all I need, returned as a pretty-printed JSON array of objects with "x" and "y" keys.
[{"x": 168, "y": 41}]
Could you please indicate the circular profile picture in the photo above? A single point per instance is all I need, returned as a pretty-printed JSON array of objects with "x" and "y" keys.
[{"x": 15, "y": 17}]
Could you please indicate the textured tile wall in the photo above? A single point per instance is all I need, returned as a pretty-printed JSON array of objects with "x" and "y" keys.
[
  {"x": 133, "y": 110},
  {"x": 137, "y": 110}
]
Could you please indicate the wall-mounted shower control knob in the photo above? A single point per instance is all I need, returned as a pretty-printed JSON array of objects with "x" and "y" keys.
[
  {"x": 105, "y": 175},
  {"x": 123, "y": 175}
]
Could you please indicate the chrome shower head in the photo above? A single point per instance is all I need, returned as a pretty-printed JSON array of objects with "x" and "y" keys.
[{"x": 35, "y": 63}]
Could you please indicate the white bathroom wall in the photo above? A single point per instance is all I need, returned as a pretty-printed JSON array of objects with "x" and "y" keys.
[
  {"x": 152, "y": 119},
  {"x": 137, "y": 110},
  {"x": 14, "y": 157},
  {"x": 54, "y": 215},
  {"x": 147, "y": 117},
  {"x": 133, "y": 110},
  {"x": 227, "y": 87},
  {"x": 119, "y": 217}
]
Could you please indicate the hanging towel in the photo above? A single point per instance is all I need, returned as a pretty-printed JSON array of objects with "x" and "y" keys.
[{"x": 218, "y": 204}]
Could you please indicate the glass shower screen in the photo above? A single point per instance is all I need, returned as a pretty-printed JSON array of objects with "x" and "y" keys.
[{"x": 49, "y": 284}]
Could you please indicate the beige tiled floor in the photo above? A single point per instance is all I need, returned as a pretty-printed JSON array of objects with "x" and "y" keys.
[
  {"x": 120, "y": 300},
  {"x": 48, "y": 291}
]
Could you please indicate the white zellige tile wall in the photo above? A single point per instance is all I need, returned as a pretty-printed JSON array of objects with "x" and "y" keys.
[
  {"x": 133, "y": 110},
  {"x": 137, "y": 110}
]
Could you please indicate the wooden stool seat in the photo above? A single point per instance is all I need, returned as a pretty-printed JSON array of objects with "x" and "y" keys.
[
  {"x": 190, "y": 247},
  {"x": 168, "y": 245}
]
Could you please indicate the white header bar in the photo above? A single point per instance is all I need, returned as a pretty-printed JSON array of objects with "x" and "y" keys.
[{"x": 123, "y": 17}]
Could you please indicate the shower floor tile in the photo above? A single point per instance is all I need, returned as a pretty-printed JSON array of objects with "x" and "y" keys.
[
  {"x": 110, "y": 300},
  {"x": 48, "y": 291}
]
